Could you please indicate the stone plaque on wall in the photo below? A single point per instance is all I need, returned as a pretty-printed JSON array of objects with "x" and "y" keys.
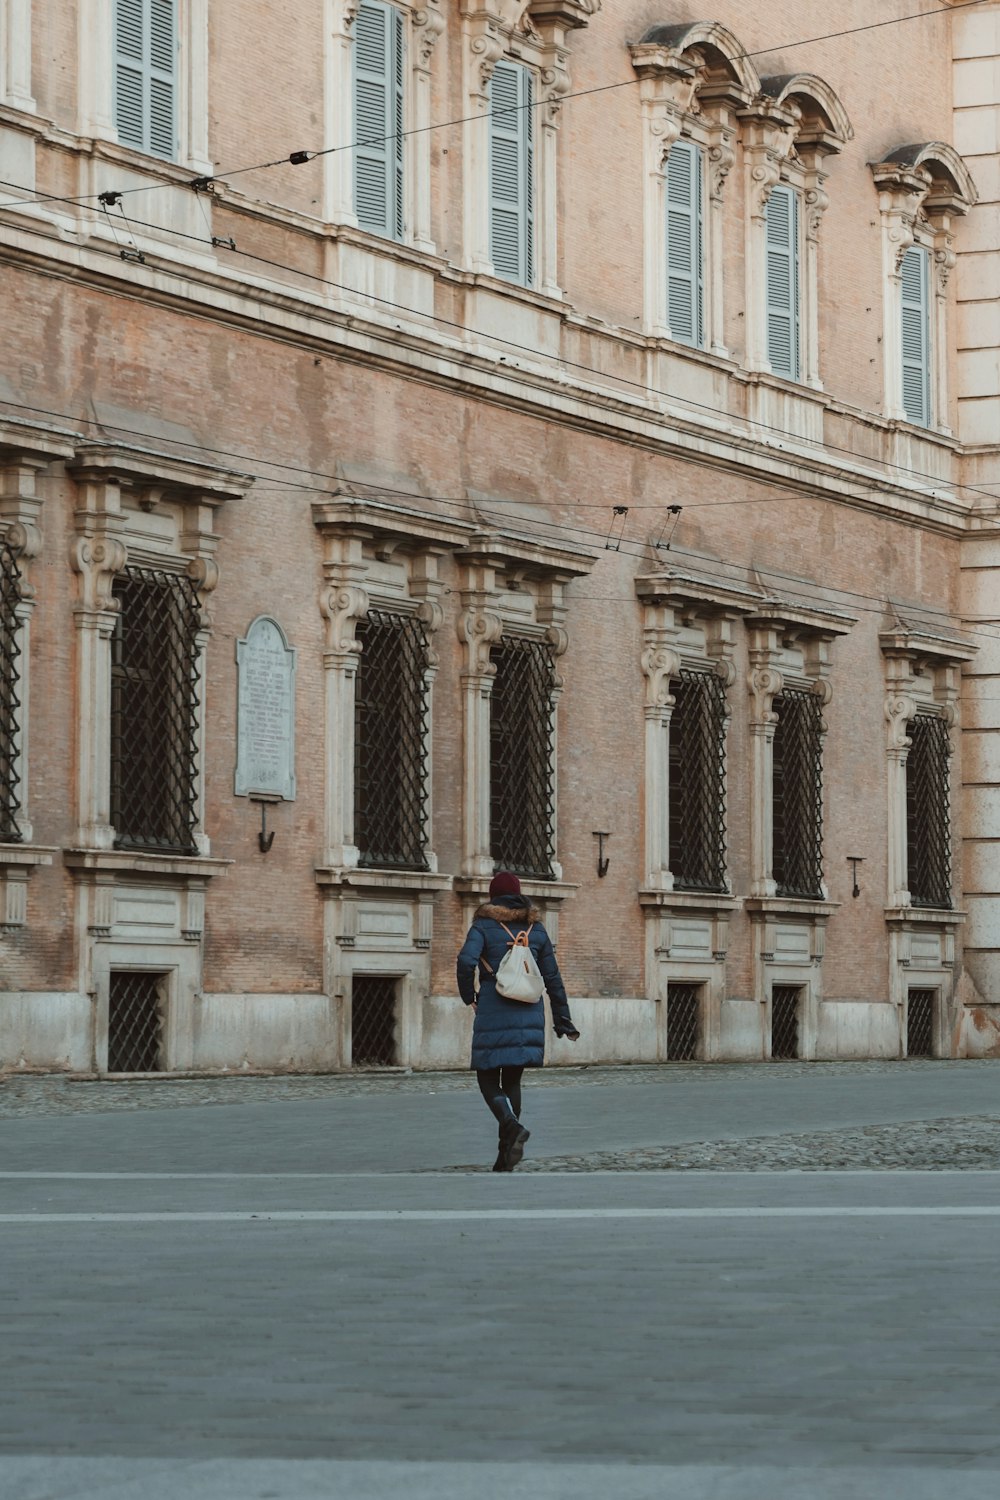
[{"x": 265, "y": 719}]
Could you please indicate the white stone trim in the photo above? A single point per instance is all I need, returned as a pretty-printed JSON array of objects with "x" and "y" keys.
[
  {"x": 788, "y": 132},
  {"x": 789, "y": 646},
  {"x": 15, "y": 55},
  {"x": 499, "y": 570},
  {"x": 680, "y": 96},
  {"x": 534, "y": 33},
  {"x": 425, "y": 21},
  {"x": 921, "y": 191},
  {"x": 922, "y": 673},
  {"x": 115, "y": 486},
  {"x": 95, "y": 78}
]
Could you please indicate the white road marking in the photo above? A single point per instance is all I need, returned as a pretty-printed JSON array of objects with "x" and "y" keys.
[
  {"x": 499, "y": 1215},
  {"x": 460, "y": 1172}
]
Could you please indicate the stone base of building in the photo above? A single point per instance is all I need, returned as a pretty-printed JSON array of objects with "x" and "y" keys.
[{"x": 314, "y": 1033}]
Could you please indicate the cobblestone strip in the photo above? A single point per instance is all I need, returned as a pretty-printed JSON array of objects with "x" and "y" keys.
[
  {"x": 968, "y": 1144},
  {"x": 25, "y": 1094}
]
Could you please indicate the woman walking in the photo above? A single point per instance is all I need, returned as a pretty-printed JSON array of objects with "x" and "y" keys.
[{"x": 509, "y": 1035}]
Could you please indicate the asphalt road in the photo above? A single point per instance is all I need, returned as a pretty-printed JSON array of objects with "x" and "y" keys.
[{"x": 275, "y": 1301}]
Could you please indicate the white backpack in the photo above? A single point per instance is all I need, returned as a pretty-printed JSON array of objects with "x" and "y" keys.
[{"x": 518, "y": 976}]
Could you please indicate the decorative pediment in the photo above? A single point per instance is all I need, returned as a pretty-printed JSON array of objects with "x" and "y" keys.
[
  {"x": 704, "y": 52},
  {"x": 821, "y": 121},
  {"x": 929, "y": 175}
]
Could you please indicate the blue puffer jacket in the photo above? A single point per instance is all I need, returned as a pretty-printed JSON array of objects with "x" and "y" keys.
[{"x": 508, "y": 1033}]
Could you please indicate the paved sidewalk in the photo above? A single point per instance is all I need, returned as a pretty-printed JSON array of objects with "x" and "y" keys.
[{"x": 325, "y": 1294}]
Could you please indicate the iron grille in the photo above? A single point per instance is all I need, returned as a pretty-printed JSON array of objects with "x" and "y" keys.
[
  {"x": 920, "y": 1023},
  {"x": 797, "y": 824},
  {"x": 390, "y": 742},
  {"x": 373, "y": 1023},
  {"x": 928, "y": 816},
  {"x": 135, "y": 1022},
  {"x": 522, "y": 750},
  {"x": 785, "y": 1002},
  {"x": 154, "y": 711},
  {"x": 683, "y": 1022},
  {"x": 698, "y": 781},
  {"x": 10, "y": 597}
]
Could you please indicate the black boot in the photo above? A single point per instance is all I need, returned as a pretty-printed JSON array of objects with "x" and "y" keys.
[
  {"x": 512, "y": 1133},
  {"x": 498, "y": 1165}
]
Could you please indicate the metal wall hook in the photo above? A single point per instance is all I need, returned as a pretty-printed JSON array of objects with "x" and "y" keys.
[
  {"x": 602, "y": 863},
  {"x": 264, "y": 839}
]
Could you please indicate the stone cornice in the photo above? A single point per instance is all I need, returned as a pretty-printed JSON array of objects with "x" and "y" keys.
[
  {"x": 163, "y": 473},
  {"x": 708, "y": 593},
  {"x": 283, "y": 314},
  {"x": 530, "y": 558},
  {"x": 351, "y": 514}
]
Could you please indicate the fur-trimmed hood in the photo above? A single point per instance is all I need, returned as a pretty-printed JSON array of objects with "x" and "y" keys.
[{"x": 508, "y": 914}]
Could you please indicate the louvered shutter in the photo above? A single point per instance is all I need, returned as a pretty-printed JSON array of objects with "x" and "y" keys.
[
  {"x": 512, "y": 173},
  {"x": 782, "y": 219},
  {"x": 685, "y": 290},
  {"x": 145, "y": 39},
  {"x": 916, "y": 336},
  {"x": 378, "y": 118}
]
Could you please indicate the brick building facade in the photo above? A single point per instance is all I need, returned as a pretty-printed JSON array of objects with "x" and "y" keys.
[{"x": 586, "y": 422}]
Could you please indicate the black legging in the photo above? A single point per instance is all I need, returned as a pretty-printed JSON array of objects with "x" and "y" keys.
[{"x": 494, "y": 1081}]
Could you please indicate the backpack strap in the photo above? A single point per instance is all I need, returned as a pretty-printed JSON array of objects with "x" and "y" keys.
[{"x": 521, "y": 941}]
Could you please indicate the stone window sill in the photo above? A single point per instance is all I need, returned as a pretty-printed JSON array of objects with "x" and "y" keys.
[
  {"x": 132, "y": 862},
  {"x": 551, "y": 892},
  {"x": 370, "y": 879},
  {"x": 689, "y": 900},
  {"x": 791, "y": 906},
  {"x": 924, "y": 916}
]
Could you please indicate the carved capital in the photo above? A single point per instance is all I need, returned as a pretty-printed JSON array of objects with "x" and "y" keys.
[
  {"x": 204, "y": 574},
  {"x": 721, "y": 157},
  {"x": 660, "y": 663},
  {"x": 343, "y": 605},
  {"x": 945, "y": 261},
  {"x": 479, "y": 628},
  {"x": 98, "y": 560},
  {"x": 817, "y": 202},
  {"x": 24, "y": 539},
  {"x": 765, "y": 683},
  {"x": 899, "y": 710},
  {"x": 428, "y": 24},
  {"x": 487, "y": 46}
]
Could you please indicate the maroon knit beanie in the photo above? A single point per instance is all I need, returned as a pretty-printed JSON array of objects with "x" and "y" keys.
[{"x": 504, "y": 884}]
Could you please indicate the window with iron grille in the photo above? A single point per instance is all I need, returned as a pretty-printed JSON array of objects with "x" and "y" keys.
[
  {"x": 10, "y": 597},
  {"x": 797, "y": 795},
  {"x": 522, "y": 754},
  {"x": 928, "y": 812},
  {"x": 920, "y": 1022},
  {"x": 698, "y": 781},
  {"x": 136, "y": 1001},
  {"x": 683, "y": 1022},
  {"x": 786, "y": 1002},
  {"x": 154, "y": 711},
  {"x": 390, "y": 742},
  {"x": 374, "y": 1022}
]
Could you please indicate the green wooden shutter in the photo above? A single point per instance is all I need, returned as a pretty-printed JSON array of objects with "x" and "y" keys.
[
  {"x": 685, "y": 255},
  {"x": 916, "y": 336},
  {"x": 378, "y": 118},
  {"x": 145, "y": 43},
  {"x": 782, "y": 219},
  {"x": 512, "y": 173}
]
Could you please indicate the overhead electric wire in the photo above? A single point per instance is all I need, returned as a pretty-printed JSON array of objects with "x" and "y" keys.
[
  {"x": 784, "y": 438},
  {"x": 302, "y": 157},
  {"x": 489, "y": 513}
]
